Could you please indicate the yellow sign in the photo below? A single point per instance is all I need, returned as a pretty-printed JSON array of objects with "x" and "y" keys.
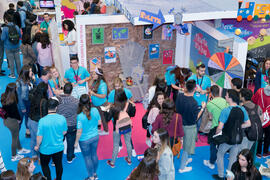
[{"x": 261, "y": 10}]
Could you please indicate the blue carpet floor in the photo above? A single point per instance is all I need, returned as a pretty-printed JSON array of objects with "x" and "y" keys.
[{"x": 77, "y": 170}]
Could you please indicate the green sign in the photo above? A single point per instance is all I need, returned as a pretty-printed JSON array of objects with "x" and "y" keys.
[{"x": 97, "y": 35}]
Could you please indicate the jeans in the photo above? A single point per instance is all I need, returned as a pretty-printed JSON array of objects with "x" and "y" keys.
[
  {"x": 266, "y": 141},
  {"x": 57, "y": 159},
  {"x": 184, "y": 159},
  {"x": 71, "y": 137},
  {"x": 33, "y": 127},
  {"x": 89, "y": 152},
  {"x": 222, "y": 149},
  {"x": 246, "y": 144},
  {"x": 13, "y": 56},
  {"x": 1, "y": 53},
  {"x": 25, "y": 115},
  {"x": 116, "y": 140},
  {"x": 213, "y": 153},
  {"x": 13, "y": 126}
]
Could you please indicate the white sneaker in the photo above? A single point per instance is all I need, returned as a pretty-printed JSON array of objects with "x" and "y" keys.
[
  {"x": 134, "y": 153},
  {"x": 188, "y": 161},
  {"x": 148, "y": 142},
  {"x": 208, "y": 164},
  {"x": 120, "y": 148},
  {"x": 23, "y": 151},
  {"x": 17, "y": 157},
  {"x": 11, "y": 76},
  {"x": 102, "y": 133},
  {"x": 186, "y": 169}
]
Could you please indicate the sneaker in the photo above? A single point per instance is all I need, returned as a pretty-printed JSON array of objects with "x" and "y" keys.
[
  {"x": 186, "y": 169},
  {"x": 53, "y": 164},
  {"x": 23, "y": 151},
  {"x": 148, "y": 142},
  {"x": 69, "y": 162},
  {"x": 265, "y": 155},
  {"x": 120, "y": 148},
  {"x": 2, "y": 74},
  {"x": 259, "y": 156},
  {"x": 11, "y": 76},
  {"x": 109, "y": 162},
  {"x": 134, "y": 153},
  {"x": 128, "y": 161},
  {"x": 208, "y": 164},
  {"x": 17, "y": 157},
  {"x": 95, "y": 176},
  {"x": 102, "y": 133},
  {"x": 215, "y": 176},
  {"x": 188, "y": 161}
]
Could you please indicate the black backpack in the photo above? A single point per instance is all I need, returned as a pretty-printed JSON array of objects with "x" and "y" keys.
[
  {"x": 13, "y": 34},
  {"x": 255, "y": 131},
  {"x": 232, "y": 128}
]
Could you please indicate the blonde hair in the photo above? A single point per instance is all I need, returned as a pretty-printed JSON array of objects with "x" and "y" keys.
[
  {"x": 22, "y": 169},
  {"x": 119, "y": 81},
  {"x": 61, "y": 84}
]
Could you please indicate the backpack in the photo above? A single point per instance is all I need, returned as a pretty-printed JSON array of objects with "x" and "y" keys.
[
  {"x": 255, "y": 131},
  {"x": 266, "y": 117},
  {"x": 13, "y": 34},
  {"x": 232, "y": 132}
]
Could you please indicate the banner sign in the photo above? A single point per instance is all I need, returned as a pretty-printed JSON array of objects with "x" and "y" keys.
[{"x": 155, "y": 19}]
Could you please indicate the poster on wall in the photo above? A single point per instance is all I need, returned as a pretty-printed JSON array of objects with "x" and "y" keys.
[
  {"x": 256, "y": 33},
  {"x": 94, "y": 62},
  {"x": 168, "y": 56},
  {"x": 110, "y": 54},
  {"x": 202, "y": 47},
  {"x": 98, "y": 35},
  {"x": 119, "y": 33},
  {"x": 167, "y": 33},
  {"x": 153, "y": 51},
  {"x": 147, "y": 32}
]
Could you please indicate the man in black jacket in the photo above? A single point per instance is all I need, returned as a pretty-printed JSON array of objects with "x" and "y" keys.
[{"x": 15, "y": 15}]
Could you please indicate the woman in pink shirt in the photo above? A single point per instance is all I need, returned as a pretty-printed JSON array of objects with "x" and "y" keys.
[{"x": 44, "y": 49}]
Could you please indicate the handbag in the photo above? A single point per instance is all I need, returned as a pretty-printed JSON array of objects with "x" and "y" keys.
[
  {"x": 131, "y": 110},
  {"x": 3, "y": 114},
  {"x": 176, "y": 148},
  {"x": 266, "y": 117},
  {"x": 144, "y": 120}
]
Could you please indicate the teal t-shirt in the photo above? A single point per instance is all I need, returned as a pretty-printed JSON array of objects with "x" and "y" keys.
[
  {"x": 264, "y": 81},
  {"x": 51, "y": 128},
  {"x": 52, "y": 85},
  {"x": 204, "y": 83},
  {"x": 89, "y": 127},
  {"x": 112, "y": 93},
  {"x": 45, "y": 25},
  {"x": 73, "y": 76},
  {"x": 102, "y": 89},
  {"x": 224, "y": 115}
]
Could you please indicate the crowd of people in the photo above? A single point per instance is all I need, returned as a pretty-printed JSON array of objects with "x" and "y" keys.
[{"x": 54, "y": 108}]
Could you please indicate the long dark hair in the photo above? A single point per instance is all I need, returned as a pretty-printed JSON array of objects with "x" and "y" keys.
[
  {"x": 39, "y": 93},
  {"x": 168, "y": 110},
  {"x": 250, "y": 167},
  {"x": 148, "y": 167},
  {"x": 24, "y": 74},
  {"x": 37, "y": 37},
  {"x": 70, "y": 25},
  {"x": 10, "y": 95},
  {"x": 154, "y": 101},
  {"x": 119, "y": 103},
  {"x": 263, "y": 67},
  {"x": 85, "y": 106},
  {"x": 97, "y": 81},
  {"x": 45, "y": 40},
  {"x": 181, "y": 74}
]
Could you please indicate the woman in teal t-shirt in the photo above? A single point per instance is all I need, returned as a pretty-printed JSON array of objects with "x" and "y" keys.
[
  {"x": 98, "y": 91},
  {"x": 56, "y": 83},
  {"x": 262, "y": 75},
  {"x": 87, "y": 134}
]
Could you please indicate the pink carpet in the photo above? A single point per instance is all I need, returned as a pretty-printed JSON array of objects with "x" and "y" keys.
[{"x": 105, "y": 146}]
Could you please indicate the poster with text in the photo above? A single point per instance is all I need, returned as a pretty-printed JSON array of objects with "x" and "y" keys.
[
  {"x": 98, "y": 35},
  {"x": 166, "y": 32},
  {"x": 119, "y": 33},
  {"x": 256, "y": 33},
  {"x": 94, "y": 62},
  {"x": 168, "y": 56},
  {"x": 147, "y": 32},
  {"x": 202, "y": 47},
  {"x": 110, "y": 54},
  {"x": 154, "y": 51}
]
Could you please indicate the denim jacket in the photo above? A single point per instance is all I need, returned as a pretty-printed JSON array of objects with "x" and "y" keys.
[{"x": 23, "y": 93}]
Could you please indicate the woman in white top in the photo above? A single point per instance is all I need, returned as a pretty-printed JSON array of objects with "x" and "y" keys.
[
  {"x": 71, "y": 38},
  {"x": 158, "y": 85}
]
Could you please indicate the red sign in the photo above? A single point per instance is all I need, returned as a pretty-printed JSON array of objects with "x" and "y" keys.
[
  {"x": 201, "y": 45},
  {"x": 167, "y": 56}
]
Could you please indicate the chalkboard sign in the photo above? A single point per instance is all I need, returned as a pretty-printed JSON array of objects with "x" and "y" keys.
[{"x": 260, "y": 53}]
